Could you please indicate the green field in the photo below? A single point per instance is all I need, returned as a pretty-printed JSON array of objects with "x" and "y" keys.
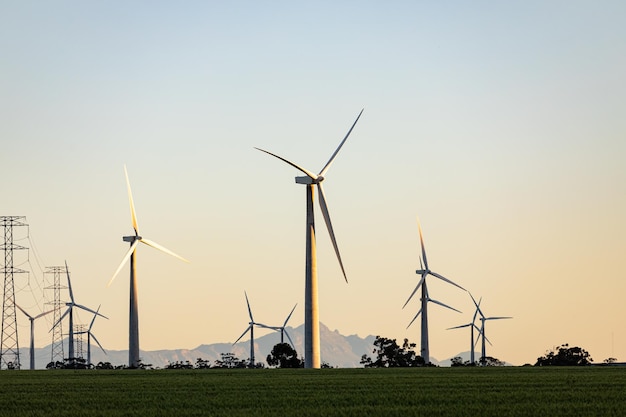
[{"x": 510, "y": 391}]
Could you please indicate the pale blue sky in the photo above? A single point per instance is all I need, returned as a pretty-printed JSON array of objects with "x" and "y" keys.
[{"x": 500, "y": 124}]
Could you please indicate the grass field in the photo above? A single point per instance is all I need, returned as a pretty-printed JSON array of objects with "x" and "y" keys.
[{"x": 510, "y": 391}]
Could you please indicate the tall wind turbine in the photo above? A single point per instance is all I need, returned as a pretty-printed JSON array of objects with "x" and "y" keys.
[
  {"x": 283, "y": 329},
  {"x": 89, "y": 336},
  {"x": 483, "y": 319},
  {"x": 32, "y": 333},
  {"x": 70, "y": 311},
  {"x": 250, "y": 329},
  {"x": 424, "y": 271},
  {"x": 134, "y": 240},
  {"x": 311, "y": 308},
  {"x": 472, "y": 325}
]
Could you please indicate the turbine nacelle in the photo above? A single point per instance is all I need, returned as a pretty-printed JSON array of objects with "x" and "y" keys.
[
  {"x": 131, "y": 239},
  {"x": 308, "y": 180}
]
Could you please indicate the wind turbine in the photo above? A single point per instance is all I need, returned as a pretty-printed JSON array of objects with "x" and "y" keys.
[
  {"x": 282, "y": 329},
  {"x": 32, "y": 333},
  {"x": 424, "y": 271},
  {"x": 250, "y": 329},
  {"x": 472, "y": 325},
  {"x": 483, "y": 319},
  {"x": 70, "y": 310},
  {"x": 133, "y": 326},
  {"x": 89, "y": 336},
  {"x": 311, "y": 308}
]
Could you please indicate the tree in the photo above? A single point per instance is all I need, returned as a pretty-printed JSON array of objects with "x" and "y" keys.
[
  {"x": 202, "y": 364},
  {"x": 565, "y": 356},
  {"x": 491, "y": 361},
  {"x": 230, "y": 361},
  {"x": 284, "y": 356},
  {"x": 390, "y": 355}
]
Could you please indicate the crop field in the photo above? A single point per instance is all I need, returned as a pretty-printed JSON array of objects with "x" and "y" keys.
[{"x": 509, "y": 391}]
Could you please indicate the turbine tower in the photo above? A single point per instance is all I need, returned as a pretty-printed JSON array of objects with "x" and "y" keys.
[
  {"x": 311, "y": 310},
  {"x": 32, "y": 333},
  {"x": 250, "y": 329},
  {"x": 89, "y": 336},
  {"x": 70, "y": 311},
  {"x": 134, "y": 240},
  {"x": 483, "y": 319},
  {"x": 424, "y": 271},
  {"x": 472, "y": 325}
]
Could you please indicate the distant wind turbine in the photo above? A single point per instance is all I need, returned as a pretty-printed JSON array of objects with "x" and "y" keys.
[
  {"x": 89, "y": 336},
  {"x": 311, "y": 308},
  {"x": 282, "y": 329},
  {"x": 250, "y": 329},
  {"x": 483, "y": 319},
  {"x": 133, "y": 326},
  {"x": 32, "y": 333},
  {"x": 70, "y": 311},
  {"x": 424, "y": 271},
  {"x": 472, "y": 325}
]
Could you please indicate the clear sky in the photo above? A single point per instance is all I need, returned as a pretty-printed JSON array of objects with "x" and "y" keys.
[{"x": 500, "y": 124}]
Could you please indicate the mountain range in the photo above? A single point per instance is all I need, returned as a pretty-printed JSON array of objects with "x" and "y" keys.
[{"x": 337, "y": 350}]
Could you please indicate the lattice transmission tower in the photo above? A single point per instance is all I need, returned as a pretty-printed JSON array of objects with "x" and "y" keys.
[
  {"x": 9, "y": 346},
  {"x": 57, "y": 331}
]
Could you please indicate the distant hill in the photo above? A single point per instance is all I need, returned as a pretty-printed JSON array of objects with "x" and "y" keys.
[{"x": 336, "y": 350}]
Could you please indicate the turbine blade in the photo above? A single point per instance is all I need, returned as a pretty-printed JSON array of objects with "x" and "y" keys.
[
  {"x": 441, "y": 277},
  {"x": 249, "y": 309},
  {"x": 60, "y": 319},
  {"x": 90, "y": 310},
  {"x": 243, "y": 334},
  {"x": 299, "y": 168},
  {"x": 497, "y": 318},
  {"x": 459, "y": 327},
  {"x": 289, "y": 338},
  {"x": 419, "y": 227},
  {"x": 124, "y": 260},
  {"x": 329, "y": 226},
  {"x": 132, "y": 205},
  {"x": 418, "y": 313},
  {"x": 289, "y": 316},
  {"x": 443, "y": 305},
  {"x": 477, "y": 304},
  {"x": 94, "y": 317},
  {"x": 162, "y": 249},
  {"x": 41, "y": 314},
  {"x": 330, "y": 161},
  {"x": 265, "y": 326},
  {"x": 421, "y": 281},
  {"x": 99, "y": 345},
  {"x": 24, "y": 311},
  {"x": 69, "y": 283}
]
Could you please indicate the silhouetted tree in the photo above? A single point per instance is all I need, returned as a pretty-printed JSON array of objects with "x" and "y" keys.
[
  {"x": 490, "y": 361},
  {"x": 202, "y": 364},
  {"x": 609, "y": 361},
  {"x": 179, "y": 365},
  {"x": 230, "y": 361},
  {"x": 390, "y": 355},
  {"x": 565, "y": 356},
  {"x": 104, "y": 365},
  {"x": 284, "y": 356}
]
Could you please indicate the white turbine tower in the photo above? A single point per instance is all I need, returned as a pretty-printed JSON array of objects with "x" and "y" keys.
[
  {"x": 89, "y": 336},
  {"x": 472, "y": 325},
  {"x": 250, "y": 329},
  {"x": 283, "y": 329},
  {"x": 70, "y": 311},
  {"x": 32, "y": 333},
  {"x": 424, "y": 271},
  {"x": 134, "y": 240},
  {"x": 311, "y": 308},
  {"x": 483, "y": 319}
]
